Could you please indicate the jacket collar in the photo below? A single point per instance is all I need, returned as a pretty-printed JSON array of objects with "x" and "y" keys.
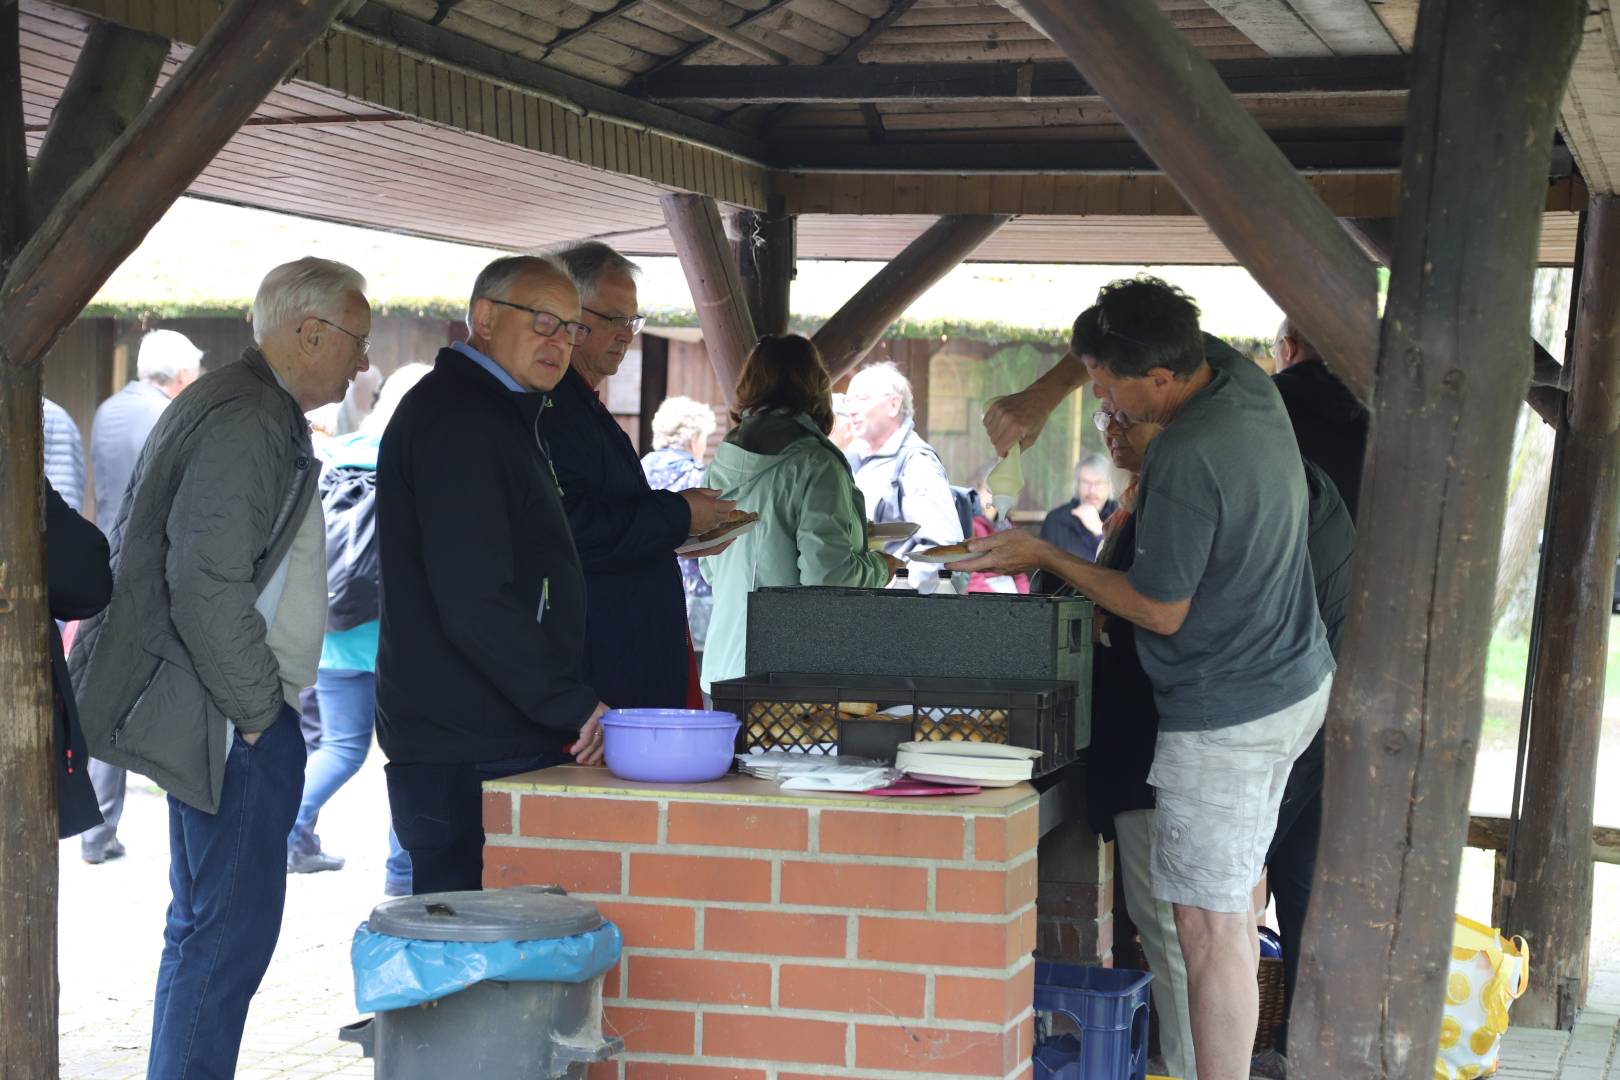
[
  {"x": 254, "y": 361},
  {"x": 459, "y": 365}
]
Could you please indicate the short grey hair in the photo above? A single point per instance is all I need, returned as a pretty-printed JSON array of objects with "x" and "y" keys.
[
  {"x": 589, "y": 260},
  {"x": 164, "y": 355},
  {"x": 679, "y": 420},
  {"x": 1096, "y": 464},
  {"x": 494, "y": 281},
  {"x": 305, "y": 288},
  {"x": 1288, "y": 331},
  {"x": 888, "y": 376}
]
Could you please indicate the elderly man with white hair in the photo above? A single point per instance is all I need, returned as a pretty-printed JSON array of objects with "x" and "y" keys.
[
  {"x": 900, "y": 475},
  {"x": 168, "y": 363},
  {"x": 191, "y": 676}
]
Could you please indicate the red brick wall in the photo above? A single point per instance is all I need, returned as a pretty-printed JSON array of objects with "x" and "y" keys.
[{"x": 774, "y": 942}]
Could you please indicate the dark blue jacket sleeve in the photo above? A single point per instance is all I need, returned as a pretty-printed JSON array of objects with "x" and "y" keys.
[{"x": 79, "y": 579}]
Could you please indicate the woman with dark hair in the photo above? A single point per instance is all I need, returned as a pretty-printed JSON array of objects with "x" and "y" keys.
[{"x": 778, "y": 463}]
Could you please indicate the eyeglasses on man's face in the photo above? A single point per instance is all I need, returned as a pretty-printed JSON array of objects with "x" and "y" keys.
[
  {"x": 363, "y": 342},
  {"x": 632, "y": 323},
  {"x": 546, "y": 324},
  {"x": 1105, "y": 420}
]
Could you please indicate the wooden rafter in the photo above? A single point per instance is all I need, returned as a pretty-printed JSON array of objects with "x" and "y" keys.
[
  {"x": 111, "y": 82},
  {"x": 1174, "y": 103},
  {"x": 378, "y": 23},
  {"x": 853, "y": 329},
  {"x": 717, "y": 30},
  {"x": 106, "y": 214},
  {"x": 717, "y": 289},
  {"x": 772, "y": 8},
  {"x": 977, "y": 83},
  {"x": 852, "y": 52}
]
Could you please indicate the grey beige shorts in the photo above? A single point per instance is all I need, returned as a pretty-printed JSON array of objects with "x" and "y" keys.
[{"x": 1218, "y": 793}]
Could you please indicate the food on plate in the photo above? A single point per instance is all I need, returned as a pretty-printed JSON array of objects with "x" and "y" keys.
[
  {"x": 858, "y": 708},
  {"x": 947, "y": 549},
  {"x": 731, "y": 521}
]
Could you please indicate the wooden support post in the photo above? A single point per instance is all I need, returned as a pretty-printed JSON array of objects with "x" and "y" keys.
[
  {"x": 717, "y": 291},
  {"x": 1552, "y": 904},
  {"x": 852, "y": 331},
  {"x": 1547, "y": 376},
  {"x": 765, "y": 261},
  {"x": 28, "y": 850},
  {"x": 1229, "y": 170},
  {"x": 1408, "y": 700},
  {"x": 654, "y": 385},
  {"x": 111, "y": 82},
  {"x": 106, "y": 214}
]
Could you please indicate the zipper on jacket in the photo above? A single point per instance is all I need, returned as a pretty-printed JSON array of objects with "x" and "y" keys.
[
  {"x": 284, "y": 514},
  {"x": 123, "y": 721},
  {"x": 545, "y": 451}
]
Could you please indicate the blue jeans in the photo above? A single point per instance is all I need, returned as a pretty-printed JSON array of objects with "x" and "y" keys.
[
  {"x": 339, "y": 712},
  {"x": 348, "y": 709},
  {"x": 228, "y": 875}
]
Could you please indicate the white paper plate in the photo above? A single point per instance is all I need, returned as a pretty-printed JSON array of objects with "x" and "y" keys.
[
  {"x": 694, "y": 544},
  {"x": 881, "y": 536},
  {"x": 942, "y": 779},
  {"x": 993, "y": 751},
  {"x": 928, "y": 556}
]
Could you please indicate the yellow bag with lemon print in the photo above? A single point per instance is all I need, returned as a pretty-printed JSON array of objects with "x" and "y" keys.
[{"x": 1488, "y": 974}]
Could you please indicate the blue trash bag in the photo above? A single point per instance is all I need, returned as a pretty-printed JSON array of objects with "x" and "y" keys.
[{"x": 395, "y": 972}]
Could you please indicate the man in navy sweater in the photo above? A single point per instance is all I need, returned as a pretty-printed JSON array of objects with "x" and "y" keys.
[{"x": 637, "y": 653}]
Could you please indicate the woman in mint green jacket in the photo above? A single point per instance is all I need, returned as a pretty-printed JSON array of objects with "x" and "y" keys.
[{"x": 778, "y": 462}]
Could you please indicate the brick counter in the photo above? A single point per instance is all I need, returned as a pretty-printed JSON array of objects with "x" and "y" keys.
[{"x": 775, "y": 935}]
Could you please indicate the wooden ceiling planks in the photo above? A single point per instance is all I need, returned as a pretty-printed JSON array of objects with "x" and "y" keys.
[{"x": 1590, "y": 118}]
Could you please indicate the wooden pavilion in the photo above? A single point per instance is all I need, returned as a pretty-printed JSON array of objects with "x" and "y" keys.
[{"x": 1460, "y": 142}]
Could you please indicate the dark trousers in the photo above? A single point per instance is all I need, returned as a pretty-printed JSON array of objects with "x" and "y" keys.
[
  {"x": 228, "y": 876},
  {"x": 1291, "y": 864},
  {"x": 438, "y": 813}
]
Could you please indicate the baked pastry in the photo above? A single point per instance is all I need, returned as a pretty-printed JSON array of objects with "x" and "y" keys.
[
  {"x": 731, "y": 521},
  {"x": 948, "y": 549}
]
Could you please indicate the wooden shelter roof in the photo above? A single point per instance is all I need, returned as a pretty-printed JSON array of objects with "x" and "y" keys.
[{"x": 520, "y": 123}]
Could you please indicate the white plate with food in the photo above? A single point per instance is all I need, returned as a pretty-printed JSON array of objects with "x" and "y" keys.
[
  {"x": 736, "y": 524},
  {"x": 881, "y": 536},
  {"x": 945, "y": 553}
]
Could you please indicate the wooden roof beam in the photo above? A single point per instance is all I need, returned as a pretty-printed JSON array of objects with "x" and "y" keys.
[
  {"x": 112, "y": 81},
  {"x": 853, "y": 329},
  {"x": 378, "y": 23},
  {"x": 1179, "y": 110},
  {"x": 976, "y": 83},
  {"x": 717, "y": 290},
  {"x": 109, "y": 210}
]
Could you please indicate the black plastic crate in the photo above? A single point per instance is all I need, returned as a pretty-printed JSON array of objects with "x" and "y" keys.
[{"x": 808, "y": 711}]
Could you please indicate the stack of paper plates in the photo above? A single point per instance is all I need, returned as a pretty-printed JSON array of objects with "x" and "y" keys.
[{"x": 985, "y": 764}]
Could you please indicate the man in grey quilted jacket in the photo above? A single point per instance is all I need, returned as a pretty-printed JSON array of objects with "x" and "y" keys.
[{"x": 191, "y": 676}]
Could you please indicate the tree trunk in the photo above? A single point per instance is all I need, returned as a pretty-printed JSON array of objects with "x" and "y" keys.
[
  {"x": 1552, "y": 904},
  {"x": 1526, "y": 511},
  {"x": 1407, "y": 704}
]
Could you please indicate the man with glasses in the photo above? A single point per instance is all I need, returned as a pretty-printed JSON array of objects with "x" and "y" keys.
[
  {"x": 1222, "y": 594},
  {"x": 638, "y": 653},
  {"x": 480, "y": 648},
  {"x": 1077, "y": 525},
  {"x": 899, "y": 473},
  {"x": 192, "y": 674}
]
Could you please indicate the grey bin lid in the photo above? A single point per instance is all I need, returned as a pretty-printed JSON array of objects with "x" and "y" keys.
[{"x": 521, "y": 913}]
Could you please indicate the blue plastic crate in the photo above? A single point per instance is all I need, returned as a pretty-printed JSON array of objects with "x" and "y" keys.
[{"x": 1109, "y": 1007}]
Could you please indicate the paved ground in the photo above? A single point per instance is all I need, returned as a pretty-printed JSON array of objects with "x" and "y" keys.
[
  {"x": 112, "y": 925},
  {"x": 112, "y": 921}
]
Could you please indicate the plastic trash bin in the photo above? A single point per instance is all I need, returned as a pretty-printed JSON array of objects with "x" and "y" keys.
[
  {"x": 1109, "y": 1008},
  {"x": 502, "y": 983}
]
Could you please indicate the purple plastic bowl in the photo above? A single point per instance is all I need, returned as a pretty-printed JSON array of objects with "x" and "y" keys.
[{"x": 668, "y": 746}]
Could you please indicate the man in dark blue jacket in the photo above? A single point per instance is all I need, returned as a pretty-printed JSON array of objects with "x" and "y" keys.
[
  {"x": 479, "y": 662},
  {"x": 637, "y": 653}
]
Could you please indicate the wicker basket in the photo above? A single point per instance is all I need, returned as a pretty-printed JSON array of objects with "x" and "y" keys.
[{"x": 1272, "y": 1004}]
